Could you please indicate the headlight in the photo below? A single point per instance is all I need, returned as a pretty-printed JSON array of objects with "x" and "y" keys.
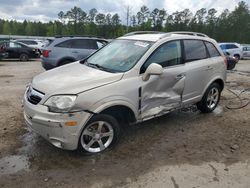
[{"x": 60, "y": 103}]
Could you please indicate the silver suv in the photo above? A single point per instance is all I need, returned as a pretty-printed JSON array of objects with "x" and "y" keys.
[
  {"x": 134, "y": 78},
  {"x": 67, "y": 49}
]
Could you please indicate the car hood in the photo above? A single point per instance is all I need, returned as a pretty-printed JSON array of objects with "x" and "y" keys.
[{"x": 72, "y": 79}]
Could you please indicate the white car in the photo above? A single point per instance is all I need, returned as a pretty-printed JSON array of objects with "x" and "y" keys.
[
  {"x": 33, "y": 43},
  {"x": 233, "y": 49},
  {"x": 246, "y": 52},
  {"x": 134, "y": 78}
]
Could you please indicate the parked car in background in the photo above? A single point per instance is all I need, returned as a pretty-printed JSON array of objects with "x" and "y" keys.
[
  {"x": 33, "y": 43},
  {"x": 64, "y": 50},
  {"x": 3, "y": 53},
  {"x": 134, "y": 78},
  {"x": 18, "y": 50},
  {"x": 231, "y": 61},
  {"x": 246, "y": 52},
  {"x": 234, "y": 49}
]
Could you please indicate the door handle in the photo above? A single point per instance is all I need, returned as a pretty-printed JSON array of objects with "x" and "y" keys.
[
  {"x": 75, "y": 52},
  {"x": 179, "y": 76}
]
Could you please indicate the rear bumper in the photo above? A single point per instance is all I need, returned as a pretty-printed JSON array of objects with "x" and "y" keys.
[{"x": 47, "y": 66}]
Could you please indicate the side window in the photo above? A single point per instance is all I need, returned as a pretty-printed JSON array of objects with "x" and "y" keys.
[
  {"x": 213, "y": 52},
  {"x": 84, "y": 44},
  {"x": 65, "y": 44},
  {"x": 15, "y": 45},
  {"x": 231, "y": 46},
  {"x": 168, "y": 54},
  {"x": 223, "y": 47},
  {"x": 194, "y": 50},
  {"x": 100, "y": 43}
]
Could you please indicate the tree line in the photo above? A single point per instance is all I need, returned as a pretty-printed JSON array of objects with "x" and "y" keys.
[{"x": 227, "y": 26}]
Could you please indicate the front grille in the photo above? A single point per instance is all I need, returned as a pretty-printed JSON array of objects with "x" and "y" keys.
[{"x": 34, "y": 96}]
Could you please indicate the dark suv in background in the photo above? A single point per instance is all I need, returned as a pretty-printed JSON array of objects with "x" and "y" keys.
[{"x": 67, "y": 49}]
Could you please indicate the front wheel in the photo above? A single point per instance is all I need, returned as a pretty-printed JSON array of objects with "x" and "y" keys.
[
  {"x": 101, "y": 133},
  {"x": 210, "y": 99}
]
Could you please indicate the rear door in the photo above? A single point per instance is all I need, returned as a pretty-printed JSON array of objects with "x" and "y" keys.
[
  {"x": 81, "y": 48},
  {"x": 198, "y": 69},
  {"x": 163, "y": 93}
]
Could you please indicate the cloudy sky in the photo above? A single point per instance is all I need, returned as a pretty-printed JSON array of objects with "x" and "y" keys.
[{"x": 46, "y": 10}]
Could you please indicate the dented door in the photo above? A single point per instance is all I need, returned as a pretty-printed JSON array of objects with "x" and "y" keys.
[{"x": 163, "y": 93}]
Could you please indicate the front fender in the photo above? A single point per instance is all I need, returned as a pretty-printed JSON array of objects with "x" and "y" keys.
[{"x": 106, "y": 103}]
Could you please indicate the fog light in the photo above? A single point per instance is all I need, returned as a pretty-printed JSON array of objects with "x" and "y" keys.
[{"x": 70, "y": 123}]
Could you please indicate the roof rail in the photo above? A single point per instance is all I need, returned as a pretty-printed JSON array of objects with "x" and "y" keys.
[
  {"x": 91, "y": 36},
  {"x": 142, "y": 32},
  {"x": 185, "y": 33}
]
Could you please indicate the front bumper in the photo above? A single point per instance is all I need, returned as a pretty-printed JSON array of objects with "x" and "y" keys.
[{"x": 51, "y": 126}]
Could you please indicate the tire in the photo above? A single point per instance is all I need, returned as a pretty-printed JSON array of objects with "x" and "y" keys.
[
  {"x": 210, "y": 99},
  {"x": 24, "y": 57},
  {"x": 101, "y": 133},
  {"x": 65, "y": 62}
]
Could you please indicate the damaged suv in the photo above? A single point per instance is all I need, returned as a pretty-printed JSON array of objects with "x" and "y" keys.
[{"x": 134, "y": 78}]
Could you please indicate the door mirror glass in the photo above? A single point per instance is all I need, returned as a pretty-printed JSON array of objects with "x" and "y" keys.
[{"x": 153, "y": 69}]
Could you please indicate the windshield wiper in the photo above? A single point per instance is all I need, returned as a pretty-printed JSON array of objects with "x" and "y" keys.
[{"x": 97, "y": 66}]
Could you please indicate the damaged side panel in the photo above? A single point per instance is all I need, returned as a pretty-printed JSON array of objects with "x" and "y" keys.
[{"x": 163, "y": 93}]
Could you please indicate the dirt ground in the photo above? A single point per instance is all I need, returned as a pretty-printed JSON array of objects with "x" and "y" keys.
[{"x": 181, "y": 149}]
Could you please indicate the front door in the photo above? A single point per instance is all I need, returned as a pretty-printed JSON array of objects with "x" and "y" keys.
[{"x": 164, "y": 92}]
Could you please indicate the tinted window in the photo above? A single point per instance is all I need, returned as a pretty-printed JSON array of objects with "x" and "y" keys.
[
  {"x": 194, "y": 50},
  {"x": 213, "y": 52},
  {"x": 84, "y": 44},
  {"x": 168, "y": 54},
  {"x": 231, "y": 46},
  {"x": 65, "y": 44}
]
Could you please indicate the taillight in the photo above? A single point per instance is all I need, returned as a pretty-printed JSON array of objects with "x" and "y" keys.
[{"x": 46, "y": 53}]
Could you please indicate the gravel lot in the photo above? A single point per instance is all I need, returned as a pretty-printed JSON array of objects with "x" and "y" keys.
[{"x": 181, "y": 149}]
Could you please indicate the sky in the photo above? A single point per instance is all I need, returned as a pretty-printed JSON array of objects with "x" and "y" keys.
[{"x": 47, "y": 10}]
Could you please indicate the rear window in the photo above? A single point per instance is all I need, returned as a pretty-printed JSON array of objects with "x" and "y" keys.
[
  {"x": 194, "y": 50},
  {"x": 213, "y": 52},
  {"x": 246, "y": 49}
]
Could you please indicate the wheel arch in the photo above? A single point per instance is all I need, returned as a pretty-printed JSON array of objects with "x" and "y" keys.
[
  {"x": 66, "y": 58},
  {"x": 120, "y": 113},
  {"x": 217, "y": 80}
]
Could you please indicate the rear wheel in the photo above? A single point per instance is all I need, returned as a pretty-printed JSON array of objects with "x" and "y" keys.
[
  {"x": 101, "y": 133},
  {"x": 24, "y": 57},
  {"x": 210, "y": 99}
]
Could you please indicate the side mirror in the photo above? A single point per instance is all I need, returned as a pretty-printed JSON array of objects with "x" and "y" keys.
[{"x": 153, "y": 69}]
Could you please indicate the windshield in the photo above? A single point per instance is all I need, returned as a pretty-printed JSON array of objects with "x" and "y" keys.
[{"x": 119, "y": 55}]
